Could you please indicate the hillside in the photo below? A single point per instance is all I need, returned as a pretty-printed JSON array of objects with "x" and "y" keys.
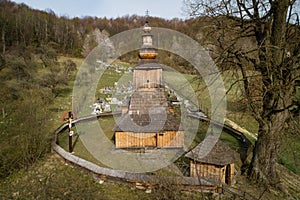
[
  {"x": 40, "y": 55},
  {"x": 53, "y": 178}
]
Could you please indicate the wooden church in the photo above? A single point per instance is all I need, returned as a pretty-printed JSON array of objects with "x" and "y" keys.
[{"x": 147, "y": 120}]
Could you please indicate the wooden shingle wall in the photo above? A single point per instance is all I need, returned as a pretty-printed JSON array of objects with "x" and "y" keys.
[
  {"x": 147, "y": 78},
  {"x": 167, "y": 139},
  {"x": 170, "y": 139},
  {"x": 214, "y": 172}
]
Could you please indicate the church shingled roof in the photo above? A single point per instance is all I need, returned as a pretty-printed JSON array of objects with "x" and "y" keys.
[{"x": 145, "y": 123}]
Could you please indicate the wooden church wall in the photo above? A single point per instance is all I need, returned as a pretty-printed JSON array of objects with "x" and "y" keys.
[
  {"x": 135, "y": 140},
  {"x": 147, "y": 78},
  {"x": 168, "y": 139}
]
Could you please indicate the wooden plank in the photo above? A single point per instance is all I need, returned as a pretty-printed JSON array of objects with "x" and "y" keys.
[
  {"x": 130, "y": 140},
  {"x": 117, "y": 139}
]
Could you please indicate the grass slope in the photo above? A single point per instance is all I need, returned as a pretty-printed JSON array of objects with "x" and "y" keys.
[{"x": 50, "y": 178}]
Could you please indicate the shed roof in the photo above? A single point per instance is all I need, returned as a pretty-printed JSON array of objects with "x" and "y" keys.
[{"x": 220, "y": 154}]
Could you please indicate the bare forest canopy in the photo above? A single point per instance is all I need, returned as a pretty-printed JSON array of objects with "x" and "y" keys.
[
  {"x": 24, "y": 28},
  {"x": 21, "y": 25}
]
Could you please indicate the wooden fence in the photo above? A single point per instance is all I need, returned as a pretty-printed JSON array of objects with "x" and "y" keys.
[
  {"x": 144, "y": 180},
  {"x": 189, "y": 183}
]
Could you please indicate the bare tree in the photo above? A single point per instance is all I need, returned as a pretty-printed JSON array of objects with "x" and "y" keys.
[{"x": 270, "y": 60}]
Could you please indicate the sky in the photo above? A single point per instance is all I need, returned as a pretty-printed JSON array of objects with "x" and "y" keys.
[{"x": 167, "y": 9}]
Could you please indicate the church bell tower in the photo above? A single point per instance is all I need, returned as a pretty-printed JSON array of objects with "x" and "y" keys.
[
  {"x": 147, "y": 74},
  {"x": 147, "y": 52}
]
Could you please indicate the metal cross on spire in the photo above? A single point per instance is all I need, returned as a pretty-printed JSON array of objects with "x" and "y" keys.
[{"x": 147, "y": 15}]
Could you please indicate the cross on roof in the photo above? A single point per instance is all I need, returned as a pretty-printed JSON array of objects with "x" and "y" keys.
[{"x": 147, "y": 13}]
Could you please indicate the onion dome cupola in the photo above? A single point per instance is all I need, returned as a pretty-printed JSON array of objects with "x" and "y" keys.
[{"x": 147, "y": 52}]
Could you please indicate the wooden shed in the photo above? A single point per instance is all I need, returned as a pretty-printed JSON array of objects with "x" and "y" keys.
[{"x": 217, "y": 165}]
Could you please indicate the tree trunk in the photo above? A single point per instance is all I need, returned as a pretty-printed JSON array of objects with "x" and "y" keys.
[
  {"x": 274, "y": 115},
  {"x": 266, "y": 150},
  {"x": 276, "y": 81}
]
